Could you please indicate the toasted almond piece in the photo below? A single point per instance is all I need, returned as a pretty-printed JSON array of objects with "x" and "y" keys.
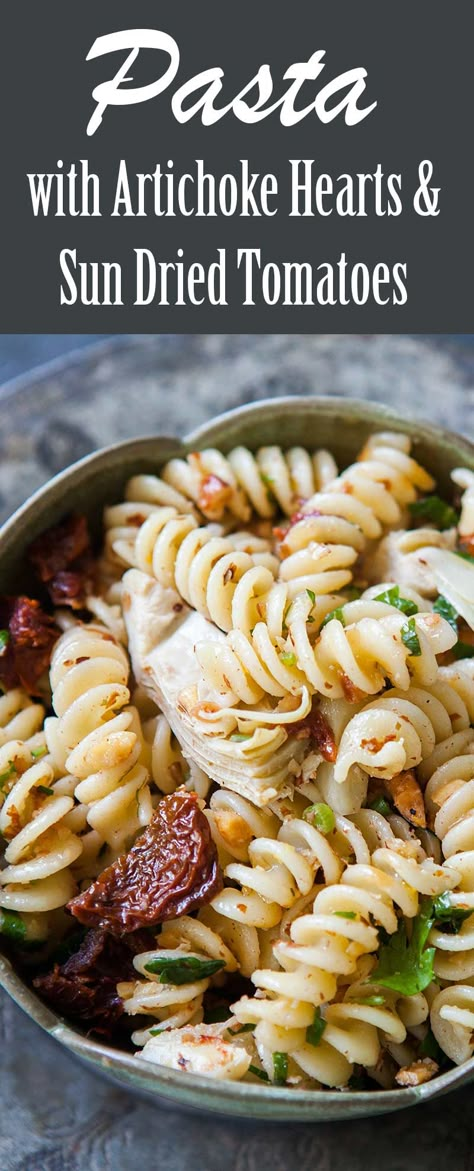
[
  {"x": 407, "y": 797},
  {"x": 417, "y": 1073}
]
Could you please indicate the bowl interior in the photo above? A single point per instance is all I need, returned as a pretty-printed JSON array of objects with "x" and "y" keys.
[{"x": 342, "y": 426}]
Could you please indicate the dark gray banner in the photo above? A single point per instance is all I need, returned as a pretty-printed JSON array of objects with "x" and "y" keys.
[{"x": 210, "y": 166}]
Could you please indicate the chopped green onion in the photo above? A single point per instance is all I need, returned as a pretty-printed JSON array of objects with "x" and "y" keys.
[
  {"x": 435, "y": 510},
  {"x": 288, "y": 658},
  {"x": 315, "y": 1031},
  {"x": 259, "y": 1073},
  {"x": 183, "y": 969},
  {"x": 12, "y": 925},
  {"x": 381, "y": 805},
  {"x": 321, "y": 816},
  {"x": 280, "y": 1068},
  {"x": 392, "y": 598},
  {"x": 37, "y": 752},
  {"x": 410, "y": 637},
  {"x": 447, "y": 611},
  {"x": 371, "y": 1000}
]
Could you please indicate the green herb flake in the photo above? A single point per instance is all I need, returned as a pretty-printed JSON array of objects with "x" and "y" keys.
[
  {"x": 183, "y": 969},
  {"x": 259, "y": 1073},
  {"x": 345, "y": 914},
  {"x": 248, "y": 1028},
  {"x": 12, "y": 926},
  {"x": 392, "y": 598},
  {"x": 315, "y": 1031},
  {"x": 156, "y": 1032},
  {"x": 447, "y": 611},
  {"x": 407, "y": 966},
  {"x": 288, "y": 658},
  {"x": 312, "y": 596},
  {"x": 465, "y": 556},
  {"x": 4, "y": 640},
  {"x": 435, "y": 511},
  {"x": 381, "y": 805},
  {"x": 46, "y": 790},
  {"x": 462, "y": 650},
  {"x": 238, "y": 737},
  {"x": 280, "y": 1068},
  {"x": 321, "y": 816},
  {"x": 337, "y": 614},
  {"x": 448, "y": 914},
  {"x": 410, "y": 637}
]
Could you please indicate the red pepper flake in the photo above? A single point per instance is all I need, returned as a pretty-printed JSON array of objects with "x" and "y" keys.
[
  {"x": 31, "y": 637},
  {"x": 171, "y": 870},
  {"x": 352, "y": 693}
]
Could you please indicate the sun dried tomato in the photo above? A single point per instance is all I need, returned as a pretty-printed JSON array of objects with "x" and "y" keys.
[
  {"x": 315, "y": 727},
  {"x": 31, "y": 637},
  {"x": 171, "y": 870},
  {"x": 280, "y": 532},
  {"x": 85, "y": 986},
  {"x": 62, "y": 558}
]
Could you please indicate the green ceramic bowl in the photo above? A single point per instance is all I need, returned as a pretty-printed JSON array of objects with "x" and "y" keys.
[{"x": 342, "y": 425}]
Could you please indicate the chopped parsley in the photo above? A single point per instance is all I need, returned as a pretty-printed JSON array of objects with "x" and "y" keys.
[
  {"x": 280, "y": 1068},
  {"x": 4, "y": 640},
  {"x": 407, "y": 966},
  {"x": 312, "y": 596},
  {"x": 7, "y": 776},
  {"x": 392, "y": 597},
  {"x": 46, "y": 790},
  {"x": 373, "y": 1001},
  {"x": 338, "y": 614},
  {"x": 434, "y": 510},
  {"x": 216, "y": 1013},
  {"x": 447, "y": 611},
  {"x": 315, "y": 1031},
  {"x": 346, "y": 914},
  {"x": 465, "y": 556},
  {"x": 410, "y": 638},
  {"x": 37, "y": 752},
  {"x": 248, "y": 1028},
  {"x": 429, "y": 1048},
  {"x": 448, "y": 914},
  {"x": 321, "y": 816},
  {"x": 183, "y": 969},
  {"x": 237, "y": 737}
]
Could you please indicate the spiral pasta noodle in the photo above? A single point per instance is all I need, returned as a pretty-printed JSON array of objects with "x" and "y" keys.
[
  {"x": 242, "y": 482},
  {"x": 95, "y": 736}
]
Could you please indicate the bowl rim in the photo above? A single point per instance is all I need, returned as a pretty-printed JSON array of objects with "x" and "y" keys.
[{"x": 228, "y": 1098}]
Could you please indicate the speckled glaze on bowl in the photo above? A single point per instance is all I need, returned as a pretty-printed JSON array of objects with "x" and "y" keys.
[{"x": 342, "y": 425}]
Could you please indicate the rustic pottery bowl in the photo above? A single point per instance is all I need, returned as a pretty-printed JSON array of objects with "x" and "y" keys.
[{"x": 341, "y": 425}]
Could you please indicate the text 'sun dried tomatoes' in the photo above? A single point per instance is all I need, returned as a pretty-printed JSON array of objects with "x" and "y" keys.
[
  {"x": 29, "y": 637},
  {"x": 171, "y": 870}
]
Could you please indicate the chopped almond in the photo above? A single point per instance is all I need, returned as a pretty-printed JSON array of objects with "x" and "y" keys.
[
  {"x": 417, "y": 1073},
  {"x": 407, "y": 797}
]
